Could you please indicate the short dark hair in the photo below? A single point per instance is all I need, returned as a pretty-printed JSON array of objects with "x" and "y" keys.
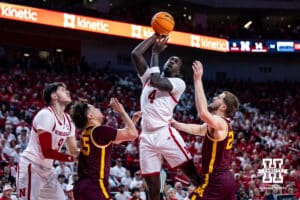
[
  {"x": 231, "y": 102},
  {"x": 79, "y": 114},
  {"x": 135, "y": 189},
  {"x": 61, "y": 176},
  {"x": 49, "y": 89}
]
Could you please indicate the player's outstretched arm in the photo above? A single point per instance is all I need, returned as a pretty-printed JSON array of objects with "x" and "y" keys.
[
  {"x": 194, "y": 129},
  {"x": 137, "y": 55},
  {"x": 45, "y": 139},
  {"x": 156, "y": 80},
  {"x": 160, "y": 44},
  {"x": 129, "y": 132},
  {"x": 211, "y": 120}
]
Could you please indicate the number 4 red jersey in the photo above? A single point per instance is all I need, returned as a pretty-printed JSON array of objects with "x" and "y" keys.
[{"x": 157, "y": 106}]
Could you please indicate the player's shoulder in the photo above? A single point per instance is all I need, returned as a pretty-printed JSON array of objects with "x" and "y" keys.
[
  {"x": 45, "y": 112},
  {"x": 178, "y": 84},
  {"x": 177, "y": 80},
  {"x": 103, "y": 135},
  {"x": 103, "y": 129}
]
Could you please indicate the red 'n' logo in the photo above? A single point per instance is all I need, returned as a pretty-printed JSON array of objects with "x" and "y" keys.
[{"x": 22, "y": 192}]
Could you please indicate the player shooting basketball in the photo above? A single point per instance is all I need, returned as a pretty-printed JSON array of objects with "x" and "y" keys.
[{"x": 160, "y": 95}]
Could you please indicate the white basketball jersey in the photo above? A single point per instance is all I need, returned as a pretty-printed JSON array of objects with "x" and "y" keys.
[
  {"x": 158, "y": 106},
  {"x": 47, "y": 120}
]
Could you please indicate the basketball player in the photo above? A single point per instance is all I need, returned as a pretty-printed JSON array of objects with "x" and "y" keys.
[
  {"x": 51, "y": 128},
  {"x": 96, "y": 148},
  {"x": 160, "y": 95},
  {"x": 218, "y": 183}
]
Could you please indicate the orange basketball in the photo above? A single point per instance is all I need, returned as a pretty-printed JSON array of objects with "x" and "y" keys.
[{"x": 162, "y": 23}]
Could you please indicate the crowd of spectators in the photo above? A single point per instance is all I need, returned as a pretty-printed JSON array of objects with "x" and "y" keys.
[{"x": 267, "y": 126}]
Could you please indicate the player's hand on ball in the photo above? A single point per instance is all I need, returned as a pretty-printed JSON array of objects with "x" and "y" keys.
[
  {"x": 136, "y": 116},
  {"x": 198, "y": 69},
  {"x": 116, "y": 105},
  {"x": 160, "y": 44}
]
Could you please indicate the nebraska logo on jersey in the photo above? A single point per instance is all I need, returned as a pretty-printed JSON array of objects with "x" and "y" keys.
[
  {"x": 22, "y": 192},
  {"x": 62, "y": 133}
]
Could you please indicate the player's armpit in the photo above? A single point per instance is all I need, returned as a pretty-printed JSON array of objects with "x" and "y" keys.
[
  {"x": 214, "y": 121},
  {"x": 219, "y": 127},
  {"x": 47, "y": 151},
  {"x": 160, "y": 83}
]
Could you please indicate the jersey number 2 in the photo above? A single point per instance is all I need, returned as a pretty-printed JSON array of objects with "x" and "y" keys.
[
  {"x": 85, "y": 146},
  {"x": 151, "y": 96},
  {"x": 230, "y": 140}
]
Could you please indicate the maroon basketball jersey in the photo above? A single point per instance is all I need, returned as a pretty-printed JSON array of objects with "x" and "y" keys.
[
  {"x": 216, "y": 155},
  {"x": 95, "y": 154}
]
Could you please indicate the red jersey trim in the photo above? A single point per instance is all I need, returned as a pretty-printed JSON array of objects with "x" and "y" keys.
[
  {"x": 52, "y": 110},
  {"x": 174, "y": 99},
  {"x": 180, "y": 147},
  {"x": 34, "y": 129},
  {"x": 29, "y": 182},
  {"x": 69, "y": 121},
  {"x": 146, "y": 82},
  {"x": 151, "y": 174}
]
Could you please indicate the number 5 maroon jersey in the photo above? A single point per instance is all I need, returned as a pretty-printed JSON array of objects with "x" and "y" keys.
[{"x": 95, "y": 154}]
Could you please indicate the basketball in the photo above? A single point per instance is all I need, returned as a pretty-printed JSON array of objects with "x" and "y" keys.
[{"x": 162, "y": 23}]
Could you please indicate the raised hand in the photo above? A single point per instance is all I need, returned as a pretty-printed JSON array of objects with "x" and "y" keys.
[
  {"x": 160, "y": 44},
  {"x": 198, "y": 70},
  {"x": 116, "y": 105},
  {"x": 136, "y": 116}
]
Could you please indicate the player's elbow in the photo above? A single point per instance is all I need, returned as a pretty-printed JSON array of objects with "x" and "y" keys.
[
  {"x": 133, "y": 134},
  {"x": 135, "y": 54},
  {"x": 47, "y": 153},
  {"x": 203, "y": 116}
]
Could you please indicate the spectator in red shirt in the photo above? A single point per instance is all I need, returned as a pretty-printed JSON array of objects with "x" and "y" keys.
[
  {"x": 7, "y": 191},
  {"x": 180, "y": 177}
]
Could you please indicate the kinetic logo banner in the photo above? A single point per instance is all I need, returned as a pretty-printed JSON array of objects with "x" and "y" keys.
[
  {"x": 19, "y": 13},
  {"x": 73, "y": 21},
  {"x": 96, "y": 25},
  {"x": 209, "y": 43}
]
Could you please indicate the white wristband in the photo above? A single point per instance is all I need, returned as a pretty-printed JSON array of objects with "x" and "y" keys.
[{"x": 154, "y": 70}]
